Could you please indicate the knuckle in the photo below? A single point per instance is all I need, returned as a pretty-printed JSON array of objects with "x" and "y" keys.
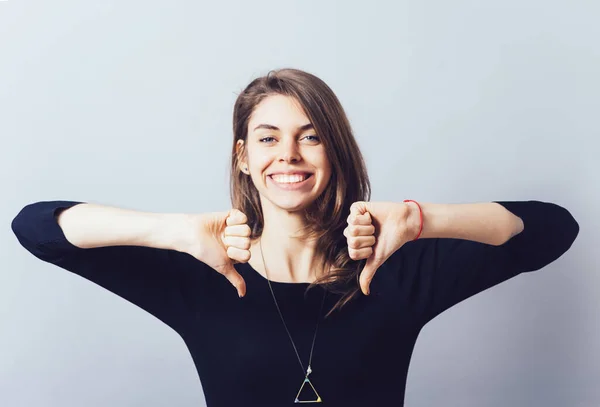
[
  {"x": 230, "y": 220},
  {"x": 355, "y": 206},
  {"x": 352, "y": 253},
  {"x": 236, "y": 214},
  {"x": 246, "y": 244}
]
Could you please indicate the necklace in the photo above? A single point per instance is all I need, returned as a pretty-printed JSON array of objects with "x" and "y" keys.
[{"x": 308, "y": 370}]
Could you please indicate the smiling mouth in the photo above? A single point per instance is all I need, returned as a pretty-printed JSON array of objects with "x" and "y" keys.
[{"x": 290, "y": 179}]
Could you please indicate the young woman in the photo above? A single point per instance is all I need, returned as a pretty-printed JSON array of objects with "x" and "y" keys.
[{"x": 331, "y": 290}]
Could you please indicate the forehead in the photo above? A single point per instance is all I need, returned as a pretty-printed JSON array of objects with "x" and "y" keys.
[{"x": 278, "y": 110}]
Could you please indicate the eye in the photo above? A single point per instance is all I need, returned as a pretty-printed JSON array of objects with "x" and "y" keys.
[
  {"x": 314, "y": 137},
  {"x": 262, "y": 140}
]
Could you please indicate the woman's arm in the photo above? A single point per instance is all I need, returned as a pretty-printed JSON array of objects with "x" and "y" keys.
[
  {"x": 89, "y": 225},
  {"x": 487, "y": 222},
  {"x": 467, "y": 249},
  {"x": 128, "y": 253}
]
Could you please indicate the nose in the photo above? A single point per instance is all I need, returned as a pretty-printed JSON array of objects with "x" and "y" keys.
[{"x": 289, "y": 151}]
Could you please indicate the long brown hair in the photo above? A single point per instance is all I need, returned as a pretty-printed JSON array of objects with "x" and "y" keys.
[{"x": 349, "y": 182}]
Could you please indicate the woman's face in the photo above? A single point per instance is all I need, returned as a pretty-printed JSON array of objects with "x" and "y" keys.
[{"x": 285, "y": 156}]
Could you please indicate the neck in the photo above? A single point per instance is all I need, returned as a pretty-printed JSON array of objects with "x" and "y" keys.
[{"x": 288, "y": 256}]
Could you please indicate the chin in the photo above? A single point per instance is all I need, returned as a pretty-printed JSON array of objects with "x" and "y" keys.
[{"x": 292, "y": 205}]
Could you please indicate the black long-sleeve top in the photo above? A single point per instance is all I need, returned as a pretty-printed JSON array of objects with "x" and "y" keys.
[{"x": 240, "y": 347}]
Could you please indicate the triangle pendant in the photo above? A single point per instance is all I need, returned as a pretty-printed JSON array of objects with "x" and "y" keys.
[{"x": 310, "y": 396}]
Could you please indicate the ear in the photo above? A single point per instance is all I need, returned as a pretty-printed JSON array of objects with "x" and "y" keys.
[{"x": 241, "y": 155}]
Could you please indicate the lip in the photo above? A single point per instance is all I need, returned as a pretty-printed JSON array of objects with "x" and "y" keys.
[
  {"x": 294, "y": 186},
  {"x": 290, "y": 173}
]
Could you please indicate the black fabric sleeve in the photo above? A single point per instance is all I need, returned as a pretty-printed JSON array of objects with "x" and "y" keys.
[
  {"x": 437, "y": 273},
  {"x": 147, "y": 277}
]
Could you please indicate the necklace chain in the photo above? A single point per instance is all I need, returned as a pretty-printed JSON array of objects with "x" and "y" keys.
[{"x": 304, "y": 371}]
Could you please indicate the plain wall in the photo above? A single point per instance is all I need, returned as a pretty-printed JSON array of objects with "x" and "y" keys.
[{"x": 129, "y": 103}]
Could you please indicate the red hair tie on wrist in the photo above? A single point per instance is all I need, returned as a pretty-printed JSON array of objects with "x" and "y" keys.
[{"x": 420, "y": 217}]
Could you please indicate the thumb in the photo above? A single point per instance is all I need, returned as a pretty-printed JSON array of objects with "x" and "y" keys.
[
  {"x": 374, "y": 261},
  {"x": 367, "y": 274},
  {"x": 234, "y": 278}
]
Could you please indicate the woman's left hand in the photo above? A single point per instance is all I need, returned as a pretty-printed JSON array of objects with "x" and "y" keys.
[{"x": 375, "y": 231}]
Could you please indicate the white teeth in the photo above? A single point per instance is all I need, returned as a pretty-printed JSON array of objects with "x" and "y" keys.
[{"x": 288, "y": 179}]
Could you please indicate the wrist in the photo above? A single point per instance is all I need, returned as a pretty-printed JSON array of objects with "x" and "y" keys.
[
  {"x": 414, "y": 220},
  {"x": 173, "y": 231},
  {"x": 432, "y": 220}
]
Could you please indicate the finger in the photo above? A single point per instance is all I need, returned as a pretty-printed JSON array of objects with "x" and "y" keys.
[
  {"x": 361, "y": 242},
  {"x": 358, "y": 208},
  {"x": 354, "y": 230},
  {"x": 241, "y": 255},
  {"x": 359, "y": 254},
  {"x": 237, "y": 230},
  {"x": 237, "y": 242},
  {"x": 236, "y": 217},
  {"x": 366, "y": 276},
  {"x": 234, "y": 278},
  {"x": 359, "y": 219}
]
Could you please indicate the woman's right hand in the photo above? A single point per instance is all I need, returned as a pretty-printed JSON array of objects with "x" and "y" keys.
[{"x": 219, "y": 239}]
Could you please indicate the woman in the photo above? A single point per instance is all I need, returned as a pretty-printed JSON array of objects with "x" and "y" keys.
[{"x": 332, "y": 290}]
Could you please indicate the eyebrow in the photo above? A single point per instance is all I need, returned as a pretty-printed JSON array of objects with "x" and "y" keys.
[{"x": 271, "y": 127}]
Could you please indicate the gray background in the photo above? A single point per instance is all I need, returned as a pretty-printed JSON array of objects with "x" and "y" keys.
[{"x": 129, "y": 104}]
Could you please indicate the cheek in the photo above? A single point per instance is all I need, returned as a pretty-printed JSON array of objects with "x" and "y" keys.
[
  {"x": 259, "y": 163},
  {"x": 258, "y": 171},
  {"x": 318, "y": 158},
  {"x": 325, "y": 167},
  {"x": 326, "y": 177}
]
